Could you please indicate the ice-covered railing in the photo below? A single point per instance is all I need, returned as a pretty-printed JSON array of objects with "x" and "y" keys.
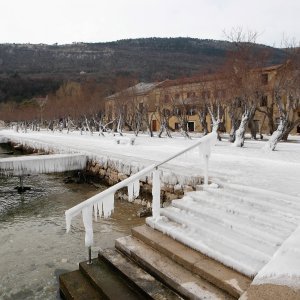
[{"x": 102, "y": 204}]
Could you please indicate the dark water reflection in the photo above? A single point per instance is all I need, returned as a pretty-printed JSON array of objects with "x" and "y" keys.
[{"x": 34, "y": 247}]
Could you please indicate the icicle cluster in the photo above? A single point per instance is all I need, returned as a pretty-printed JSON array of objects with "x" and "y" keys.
[
  {"x": 102, "y": 206},
  {"x": 133, "y": 190},
  {"x": 42, "y": 164}
]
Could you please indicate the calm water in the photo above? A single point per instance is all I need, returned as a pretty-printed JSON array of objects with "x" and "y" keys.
[{"x": 34, "y": 247}]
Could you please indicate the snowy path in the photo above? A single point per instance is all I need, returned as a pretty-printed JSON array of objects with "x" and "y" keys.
[{"x": 276, "y": 171}]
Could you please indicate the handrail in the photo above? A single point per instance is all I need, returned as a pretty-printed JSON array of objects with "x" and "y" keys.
[{"x": 103, "y": 202}]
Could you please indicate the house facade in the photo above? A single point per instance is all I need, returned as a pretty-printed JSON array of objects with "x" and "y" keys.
[{"x": 193, "y": 103}]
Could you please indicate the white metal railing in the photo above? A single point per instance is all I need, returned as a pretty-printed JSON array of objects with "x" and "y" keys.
[{"x": 102, "y": 204}]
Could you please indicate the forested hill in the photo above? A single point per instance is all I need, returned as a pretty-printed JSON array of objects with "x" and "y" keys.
[{"x": 145, "y": 59}]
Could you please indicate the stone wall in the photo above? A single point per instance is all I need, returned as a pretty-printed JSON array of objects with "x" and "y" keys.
[{"x": 109, "y": 172}]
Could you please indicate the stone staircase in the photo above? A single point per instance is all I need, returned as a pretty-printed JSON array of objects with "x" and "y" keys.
[
  {"x": 207, "y": 245},
  {"x": 240, "y": 227},
  {"x": 151, "y": 265}
]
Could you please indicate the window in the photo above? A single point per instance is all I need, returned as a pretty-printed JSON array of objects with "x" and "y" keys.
[
  {"x": 154, "y": 125},
  {"x": 264, "y": 78},
  {"x": 264, "y": 101},
  {"x": 141, "y": 107},
  {"x": 191, "y": 111},
  {"x": 167, "y": 98},
  {"x": 177, "y": 111},
  {"x": 191, "y": 126},
  {"x": 177, "y": 96}
]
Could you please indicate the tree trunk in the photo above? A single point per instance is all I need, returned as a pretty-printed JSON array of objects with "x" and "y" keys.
[
  {"x": 270, "y": 122},
  {"x": 202, "y": 119},
  {"x": 240, "y": 132},
  {"x": 252, "y": 128},
  {"x": 234, "y": 127},
  {"x": 276, "y": 136},
  {"x": 289, "y": 127},
  {"x": 164, "y": 127}
]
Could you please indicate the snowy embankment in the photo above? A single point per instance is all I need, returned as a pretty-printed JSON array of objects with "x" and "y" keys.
[
  {"x": 243, "y": 224},
  {"x": 284, "y": 267}
]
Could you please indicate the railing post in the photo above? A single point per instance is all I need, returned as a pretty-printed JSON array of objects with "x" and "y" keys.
[
  {"x": 90, "y": 255},
  {"x": 156, "y": 194},
  {"x": 206, "y": 157}
]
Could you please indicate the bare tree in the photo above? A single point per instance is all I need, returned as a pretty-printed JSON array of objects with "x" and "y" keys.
[
  {"x": 244, "y": 70},
  {"x": 287, "y": 97},
  {"x": 164, "y": 112}
]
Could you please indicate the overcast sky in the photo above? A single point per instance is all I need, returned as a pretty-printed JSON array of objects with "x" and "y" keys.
[{"x": 67, "y": 21}]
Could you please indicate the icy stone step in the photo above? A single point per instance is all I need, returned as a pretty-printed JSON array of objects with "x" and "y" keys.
[
  {"x": 242, "y": 205},
  {"x": 190, "y": 217},
  {"x": 228, "y": 254},
  {"x": 272, "y": 221},
  {"x": 262, "y": 193},
  {"x": 169, "y": 272},
  {"x": 107, "y": 281},
  {"x": 288, "y": 210},
  {"x": 216, "y": 273},
  {"x": 219, "y": 233},
  {"x": 74, "y": 285},
  {"x": 241, "y": 225},
  {"x": 139, "y": 279},
  {"x": 211, "y": 206}
]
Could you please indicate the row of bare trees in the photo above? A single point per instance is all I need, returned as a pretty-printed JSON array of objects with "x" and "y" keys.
[{"x": 237, "y": 92}]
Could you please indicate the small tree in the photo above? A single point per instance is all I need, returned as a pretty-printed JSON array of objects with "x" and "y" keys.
[
  {"x": 243, "y": 69},
  {"x": 287, "y": 97}
]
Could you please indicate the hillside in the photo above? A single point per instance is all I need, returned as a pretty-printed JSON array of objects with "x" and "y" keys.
[{"x": 145, "y": 59}]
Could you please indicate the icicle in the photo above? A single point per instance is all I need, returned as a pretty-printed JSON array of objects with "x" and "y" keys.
[
  {"x": 100, "y": 210},
  {"x": 130, "y": 192},
  {"x": 136, "y": 189},
  {"x": 108, "y": 205},
  {"x": 42, "y": 164},
  {"x": 87, "y": 213},
  {"x": 95, "y": 211},
  {"x": 155, "y": 194},
  {"x": 133, "y": 190},
  {"x": 68, "y": 222}
]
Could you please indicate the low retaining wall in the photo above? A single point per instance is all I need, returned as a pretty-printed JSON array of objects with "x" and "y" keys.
[
  {"x": 111, "y": 171},
  {"x": 171, "y": 188}
]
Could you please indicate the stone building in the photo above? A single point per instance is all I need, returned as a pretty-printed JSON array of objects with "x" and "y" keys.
[{"x": 184, "y": 102}]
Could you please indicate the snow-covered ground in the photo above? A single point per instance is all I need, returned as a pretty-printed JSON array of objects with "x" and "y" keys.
[
  {"x": 258, "y": 207},
  {"x": 249, "y": 166}
]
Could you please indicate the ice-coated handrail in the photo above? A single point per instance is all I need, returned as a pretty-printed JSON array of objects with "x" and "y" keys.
[{"x": 103, "y": 203}]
